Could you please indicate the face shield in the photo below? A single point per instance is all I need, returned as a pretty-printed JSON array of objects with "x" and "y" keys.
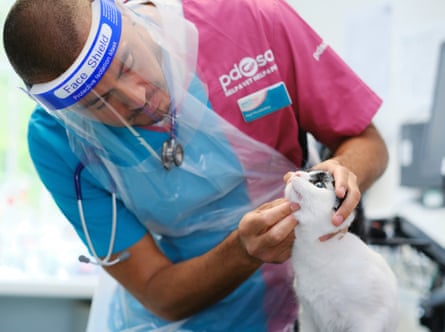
[
  {"x": 133, "y": 71},
  {"x": 133, "y": 108}
]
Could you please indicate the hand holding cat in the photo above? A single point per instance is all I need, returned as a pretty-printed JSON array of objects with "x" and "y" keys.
[
  {"x": 267, "y": 233},
  {"x": 346, "y": 187}
]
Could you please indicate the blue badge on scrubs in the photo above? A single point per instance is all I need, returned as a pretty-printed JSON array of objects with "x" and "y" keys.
[{"x": 265, "y": 101}]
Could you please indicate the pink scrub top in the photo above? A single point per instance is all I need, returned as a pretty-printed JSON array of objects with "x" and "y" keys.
[{"x": 251, "y": 45}]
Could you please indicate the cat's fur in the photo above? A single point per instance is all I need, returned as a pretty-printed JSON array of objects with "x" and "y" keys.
[{"x": 342, "y": 284}]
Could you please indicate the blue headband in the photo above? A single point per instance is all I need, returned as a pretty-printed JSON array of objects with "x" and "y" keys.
[{"x": 91, "y": 64}]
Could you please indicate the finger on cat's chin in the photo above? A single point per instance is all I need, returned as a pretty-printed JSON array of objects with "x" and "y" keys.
[
  {"x": 287, "y": 176},
  {"x": 294, "y": 206}
]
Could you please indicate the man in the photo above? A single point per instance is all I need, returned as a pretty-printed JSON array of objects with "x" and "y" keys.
[{"x": 186, "y": 116}]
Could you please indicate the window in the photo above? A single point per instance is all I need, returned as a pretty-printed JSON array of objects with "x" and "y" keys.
[{"x": 35, "y": 240}]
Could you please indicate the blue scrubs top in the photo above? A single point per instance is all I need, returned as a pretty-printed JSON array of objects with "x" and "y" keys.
[{"x": 55, "y": 164}]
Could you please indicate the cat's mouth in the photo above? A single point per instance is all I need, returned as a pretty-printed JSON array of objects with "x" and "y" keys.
[
  {"x": 297, "y": 195},
  {"x": 333, "y": 234}
]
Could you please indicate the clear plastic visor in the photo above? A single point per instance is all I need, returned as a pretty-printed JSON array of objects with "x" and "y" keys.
[{"x": 133, "y": 70}]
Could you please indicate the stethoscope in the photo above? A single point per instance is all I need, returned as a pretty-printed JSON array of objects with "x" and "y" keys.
[
  {"x": 172, "y": 151},
  {"x": 172, "y": 154},
  {"x": 107, "y": 261}
]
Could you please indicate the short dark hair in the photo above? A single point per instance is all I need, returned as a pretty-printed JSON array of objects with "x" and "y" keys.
[{"x": 42, "y": 38}]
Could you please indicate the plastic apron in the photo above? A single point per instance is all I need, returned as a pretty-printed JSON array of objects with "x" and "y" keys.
[{"x": 191, "y": 208}]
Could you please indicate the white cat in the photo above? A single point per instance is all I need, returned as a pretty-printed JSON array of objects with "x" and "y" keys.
[{"x": 342, "y": 285}]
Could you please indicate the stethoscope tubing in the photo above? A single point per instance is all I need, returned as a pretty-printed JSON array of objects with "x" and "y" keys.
[{"x": 98, "y": 261}]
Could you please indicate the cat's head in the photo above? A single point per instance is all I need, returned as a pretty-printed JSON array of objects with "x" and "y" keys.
[{"x": 314, "y": 191}]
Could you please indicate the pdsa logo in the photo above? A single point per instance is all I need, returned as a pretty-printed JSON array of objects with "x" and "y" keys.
[{"x": 247, "y": 71}]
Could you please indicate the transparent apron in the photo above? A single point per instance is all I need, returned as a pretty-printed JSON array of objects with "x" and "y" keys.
[
  {"x": 191, "y": 208},
  {"x": 188, "y": 208}
]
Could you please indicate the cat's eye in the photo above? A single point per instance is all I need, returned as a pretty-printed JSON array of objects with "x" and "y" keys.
[{"x": 320, "y": 184}]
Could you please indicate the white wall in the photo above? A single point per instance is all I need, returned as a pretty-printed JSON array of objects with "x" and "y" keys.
[
  {"x": 393, "y": 45},
  {"x": 408, "y": 42}
]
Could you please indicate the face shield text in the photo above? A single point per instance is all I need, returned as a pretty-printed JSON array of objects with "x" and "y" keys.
[{"x": 87, "y": 69}]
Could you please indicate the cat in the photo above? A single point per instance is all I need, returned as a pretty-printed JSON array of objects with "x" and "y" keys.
[{"x": 342, "y": 285}]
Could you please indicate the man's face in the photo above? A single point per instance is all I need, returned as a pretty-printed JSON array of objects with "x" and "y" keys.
[{"x": 134, "y": 85}]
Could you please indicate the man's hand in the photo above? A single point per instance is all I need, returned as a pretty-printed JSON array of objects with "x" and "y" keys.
[
  {"x": 267, "y": 233},
  {"x": 346, "y": 188}
]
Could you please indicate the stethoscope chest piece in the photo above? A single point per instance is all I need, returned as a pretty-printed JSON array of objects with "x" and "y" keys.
[{"x": 172, "y": 153}]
